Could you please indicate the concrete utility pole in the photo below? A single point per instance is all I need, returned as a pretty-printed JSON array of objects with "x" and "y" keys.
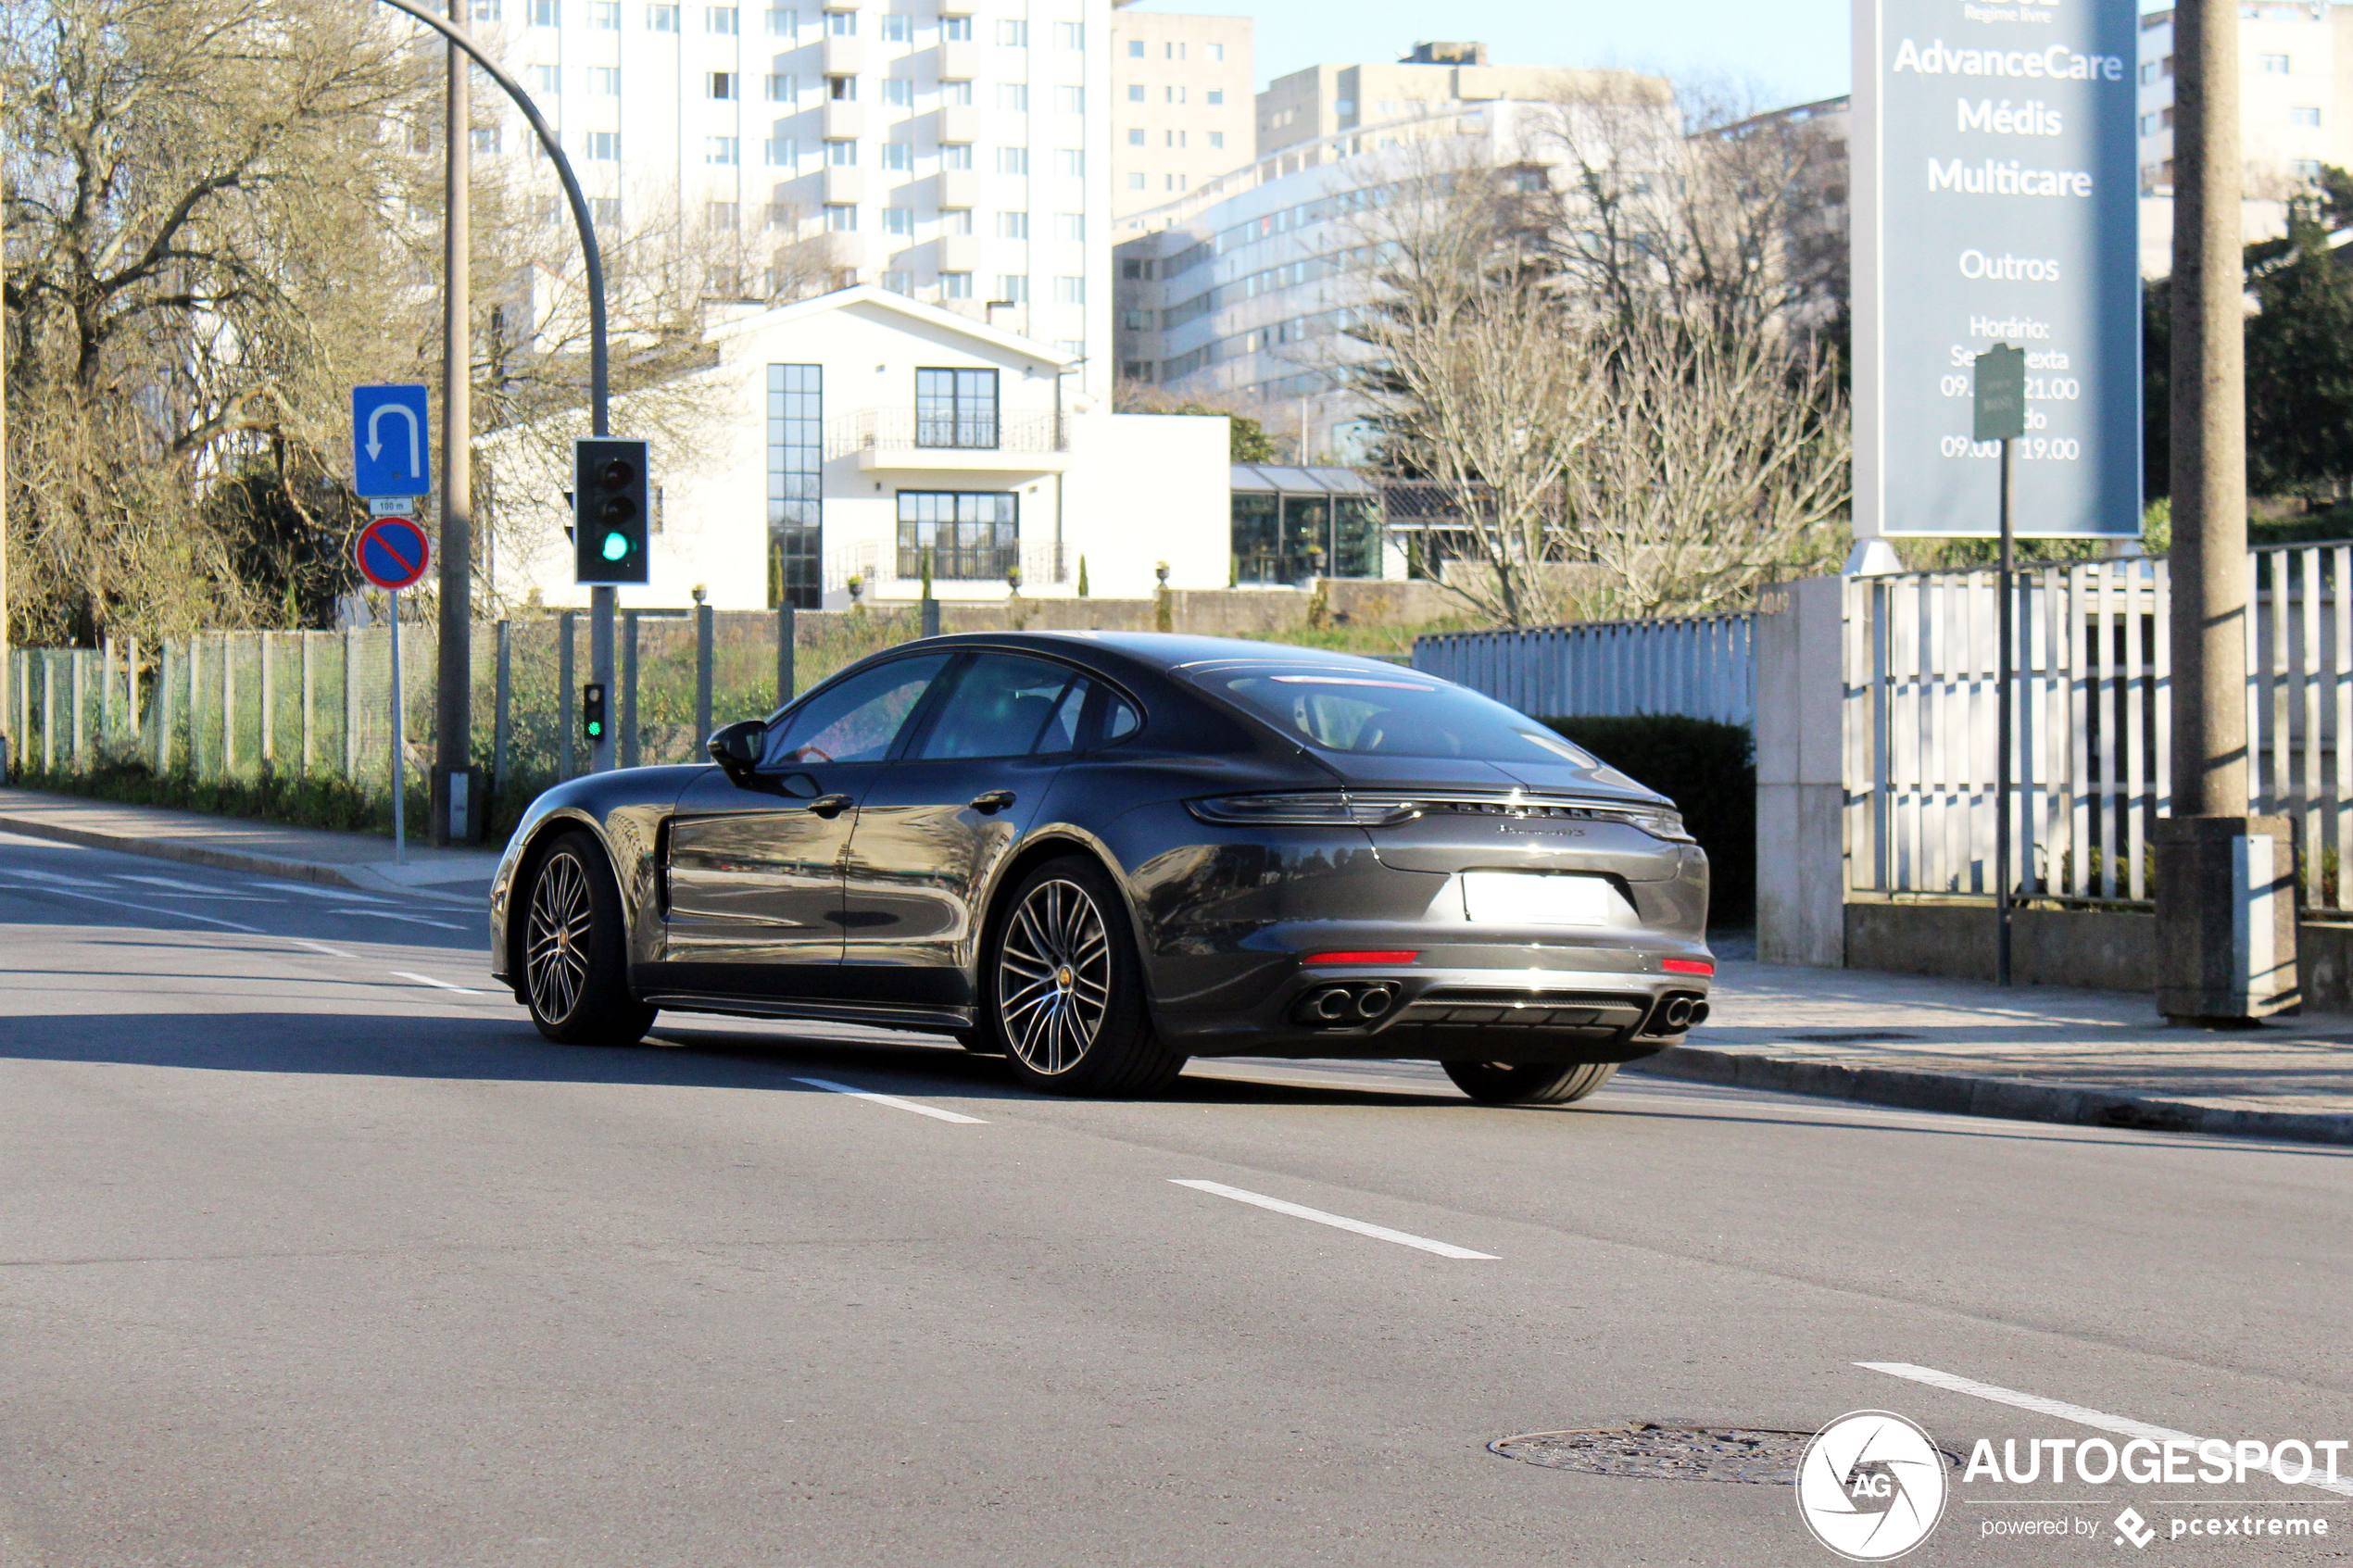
[
  {"x": 455, "y": 806},
  {"x": 2225, "y": 880}
]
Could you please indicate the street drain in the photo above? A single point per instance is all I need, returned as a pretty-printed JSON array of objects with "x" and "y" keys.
[{"x": 1666, "y": 1453}]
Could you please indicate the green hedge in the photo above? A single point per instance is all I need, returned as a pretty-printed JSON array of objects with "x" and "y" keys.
[{"x": 1709, "y": 770}]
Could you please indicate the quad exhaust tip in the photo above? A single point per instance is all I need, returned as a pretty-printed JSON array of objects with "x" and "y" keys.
[
  {"x": 1679, "y": 1012},
  {"x": 1342, "y": 1007}
]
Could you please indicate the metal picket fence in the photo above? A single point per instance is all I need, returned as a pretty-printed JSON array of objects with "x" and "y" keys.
[
  {"x": 1701, "y": 666},
  {"x": 2092, "y": 763}
]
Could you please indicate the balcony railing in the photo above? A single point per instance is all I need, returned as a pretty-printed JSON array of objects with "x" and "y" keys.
[{"x": 896, "y": 430}]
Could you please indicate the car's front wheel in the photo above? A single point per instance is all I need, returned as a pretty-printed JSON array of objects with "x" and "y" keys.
[
  {"x": 577, "y": 951},
  {"x": 1505, "y": 1083},
  {"x": 1066, "y": 989}
]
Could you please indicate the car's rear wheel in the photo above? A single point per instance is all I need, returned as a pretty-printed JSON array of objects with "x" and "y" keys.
[
  {"x": 576, "y": 950},
  {"x": 1066, "y": 989},
  {"x": 1505, "y": 1083}
]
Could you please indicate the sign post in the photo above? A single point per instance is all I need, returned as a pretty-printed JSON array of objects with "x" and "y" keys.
[
  {"x": 393, "y": 552},
  {"x": 2000, "y": 414},
  {"x": 1997, "y": 201}
]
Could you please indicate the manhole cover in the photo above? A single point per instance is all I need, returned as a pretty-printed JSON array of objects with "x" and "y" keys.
[{"x": 1666, "y": 1453}]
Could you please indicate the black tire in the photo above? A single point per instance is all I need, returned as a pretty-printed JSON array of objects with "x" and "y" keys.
[
  {"x": 1063, "y": 991},
  {"x": 575, "y": 950},
  {"x": 1503, "y": 1083}
]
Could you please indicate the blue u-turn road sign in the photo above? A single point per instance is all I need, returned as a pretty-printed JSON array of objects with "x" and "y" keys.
[{"x": 390, "y": 441}]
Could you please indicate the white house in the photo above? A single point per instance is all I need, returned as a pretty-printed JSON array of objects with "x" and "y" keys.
[{"x": 862, "y": 428}]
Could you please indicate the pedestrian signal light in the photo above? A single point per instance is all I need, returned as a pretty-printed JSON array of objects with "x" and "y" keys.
[{"x": 609, "y": 512}]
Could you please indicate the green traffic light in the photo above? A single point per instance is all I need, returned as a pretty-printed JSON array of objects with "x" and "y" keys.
[
  {"x": 616, "y": 545},
  {"x": 594, "y": 729}
]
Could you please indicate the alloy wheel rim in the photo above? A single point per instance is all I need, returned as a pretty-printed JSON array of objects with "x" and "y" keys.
[
  {"x": 556, "y": 957},
  {"x": 1053, "y": 977}
]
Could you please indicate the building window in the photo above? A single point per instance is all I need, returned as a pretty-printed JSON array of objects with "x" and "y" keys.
[
  {"x": 1135, "y": 370},
  {"x": 842, "y": 89},
  {"x": 722, "y": 84},
  {"x": 1070, "y": 290},
  {"x": 1012, "y": 288},
  {"x": 1176, "y": 138},
  {"x": 1070, "y": 100},
  {"x": 955, "y": 285},
  {"x": 1070, "y": 226},
  {"x": 1217, "y": 51},
  {"x": 662, "y": 18},
  {"x": 722, "y": 149},
  {"x": 1134, "y": 179},
  {"x": 485, "y": 11},
  {"x": 1012, "y": 160},
  {"x": 841, "y": 219},
  {"x": 1069, "y": 163},
  {"x": 1175, "y": 94},
  {"x": 780, "y": 215},
  {"x": 1217, "y": 138},
  {"x": 1134, "y": 48},
  {"x": 973, "y": 536},
  {"x": 782, "y": 87},
  {"x": 956, "y": 155},
  {"x": 1070, "y": 35},
  {"x": 605, "y": 15},
  {"x": 1135, "y": 136},
  {"x": 796, "y": 491},
  {"x": 722, "y": 216},
  {"x": 1012, "y": 98},
  {"x": 841, "y": 24},
  {"x": 956, "y": 408},
  {"x": 1175, "y": 182},
  {"x": 544, "y": 13},
  {"x": 841, "y": 155},
  {"x": 899, "y": 156},
  {"x": 2303, "y": 116},
  {"x": 899, "y": 283},
  {"x": 959, "y": 93},
  {"x": 2305, "y": 168},
  {"x": 1013, "y": 33},
  {"x": 604, "y": 82},
  {"x": 604, "y": 146},
  {"x": 956, "y": 220},
  {"x": 898, "y": 93},
  {"x": 2274, "y": 65},
  {"x": 782, "y": 23},
  {"x": 899, "y": 30},
  {"x": 485, "y": 138},
  {"x": 1134, "y": 319},
  {"x": 604, "y": 211},
  {"x": 720, "y": 19},
  {"x": 956, "y": 29},
  {"x": 1216, "y": 96},
  {"x": 898, "y": 220},
  {"x": 782, "y": 152},
  {"x": 1013, "y": 225}
]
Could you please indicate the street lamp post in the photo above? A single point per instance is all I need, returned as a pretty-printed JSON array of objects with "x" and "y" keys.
[{"x": 453, "y": 776}]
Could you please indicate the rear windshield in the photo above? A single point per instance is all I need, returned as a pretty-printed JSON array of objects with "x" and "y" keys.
[{"x": 1375, "y": 713}]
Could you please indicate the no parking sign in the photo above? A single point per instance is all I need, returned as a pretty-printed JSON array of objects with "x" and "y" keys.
[{"x": 393, "y": 552}]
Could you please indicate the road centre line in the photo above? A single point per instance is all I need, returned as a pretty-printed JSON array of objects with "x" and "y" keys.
[
  {"x": 144, "y": 908},
  {"x": 2123, "y": 1427},
  {"x": 1339, "y": 1222},
  {"x": 439, "y": 984},
  {"x": 933, "y": 1110},
  {"x": 321, "y": 947}
]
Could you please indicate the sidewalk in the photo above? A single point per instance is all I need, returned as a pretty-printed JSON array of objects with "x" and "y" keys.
[
  {"x": 340, "y": 860},
  {"x": 2034, "y": 1053}
]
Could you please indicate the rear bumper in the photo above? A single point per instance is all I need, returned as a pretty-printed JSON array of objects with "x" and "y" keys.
[{"x": 1483, "y": 1014}]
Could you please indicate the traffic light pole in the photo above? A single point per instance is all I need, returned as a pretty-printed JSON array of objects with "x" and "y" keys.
[
  {"x": 454, "y": 806},
  {"x": 600, "y": 603},
  {"x": 599, "y": 381}
]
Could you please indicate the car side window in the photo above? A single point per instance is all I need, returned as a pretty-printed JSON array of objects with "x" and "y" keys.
[
  {"x": 1120, "y": 719},
  {"x": 855, "y": 721},
  {"x": 1001, "y": 707},
  {"x": 1061, "y": 729}
]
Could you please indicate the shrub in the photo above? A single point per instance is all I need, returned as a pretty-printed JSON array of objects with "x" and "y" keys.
[{"x": 1709, "y": 770}]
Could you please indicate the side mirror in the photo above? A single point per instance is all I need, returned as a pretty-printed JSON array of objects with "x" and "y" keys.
[{"x": 736, "y": 747}]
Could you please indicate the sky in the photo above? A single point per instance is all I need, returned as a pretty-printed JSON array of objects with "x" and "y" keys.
[{"x": 1792, "y": 52}]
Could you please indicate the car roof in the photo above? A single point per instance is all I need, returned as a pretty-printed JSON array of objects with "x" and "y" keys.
[{"x": 1163, "y": 651}]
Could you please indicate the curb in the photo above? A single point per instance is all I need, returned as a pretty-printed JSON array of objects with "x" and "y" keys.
[
  {"x": 360, "y": 879},
  {"x": 1968, "y": 1093}
]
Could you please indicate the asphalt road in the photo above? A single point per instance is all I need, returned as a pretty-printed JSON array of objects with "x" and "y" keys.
[{"x": 314, "y": 1252}]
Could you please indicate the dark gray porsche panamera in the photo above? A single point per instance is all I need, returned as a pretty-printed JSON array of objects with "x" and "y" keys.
[{"x": 1101, "y": 854}]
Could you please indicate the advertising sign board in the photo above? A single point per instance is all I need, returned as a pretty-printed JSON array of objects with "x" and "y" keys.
[{"x": 1995, "y": 201}]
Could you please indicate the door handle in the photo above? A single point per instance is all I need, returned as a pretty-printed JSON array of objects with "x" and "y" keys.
[
  {"x": 993, "y": 801},
  {"x": 832, "y": 804}
]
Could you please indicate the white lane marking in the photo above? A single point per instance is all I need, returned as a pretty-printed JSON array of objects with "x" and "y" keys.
[
  {"x": 148, "y": 909},
  {"x": 893, "y": 1100},
  {"x": 1339, "y": 1222},
  {"x": 320, "y": 947},
  {"x": 58, "y": 877},
  {"x": 2082, "y": 1415},
  {"x": 174, "y": 881},
  {"x": 341, "y": 894},
  {"x": 387, "y": 914},
  {"x": 441, "y": 985}
]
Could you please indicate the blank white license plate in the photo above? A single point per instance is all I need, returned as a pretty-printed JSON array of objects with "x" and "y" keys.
[{"x": 1522, "y": 898}]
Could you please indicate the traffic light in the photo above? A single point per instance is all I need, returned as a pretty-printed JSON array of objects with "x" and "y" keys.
[
  {"x": 592, "y": 710},
  {"x": 609, "y": 512}
]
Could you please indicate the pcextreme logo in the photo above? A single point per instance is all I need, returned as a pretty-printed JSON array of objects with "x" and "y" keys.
[{"x": 1871, "y": 1486}]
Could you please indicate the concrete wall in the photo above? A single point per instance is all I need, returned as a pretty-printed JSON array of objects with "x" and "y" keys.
[{"x": 1801, "y": 792}]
